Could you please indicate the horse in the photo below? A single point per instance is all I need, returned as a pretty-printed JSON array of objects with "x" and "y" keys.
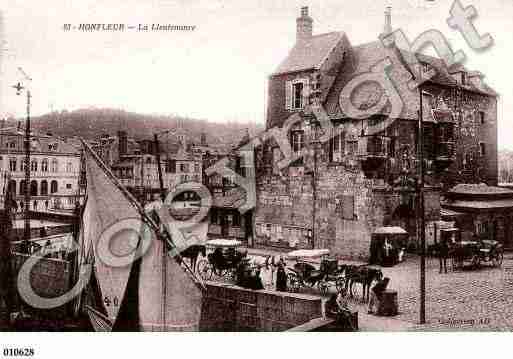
[
  {"x": 192, "y": 252},
  {"x": 364, "y": 275}
]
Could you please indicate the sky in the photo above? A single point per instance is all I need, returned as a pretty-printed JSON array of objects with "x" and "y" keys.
[{"x": 218, "y": 71}]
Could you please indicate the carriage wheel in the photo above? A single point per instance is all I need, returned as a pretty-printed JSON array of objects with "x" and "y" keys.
[
  {"x": 476, "y": 261},
  {"x": 205, "y": 269},
  {"x": 323, "y": 286},
  {"x": 497, "y": 259},
  {"x": 340, "y": 284},
  {"x": 294, "y": 284}
]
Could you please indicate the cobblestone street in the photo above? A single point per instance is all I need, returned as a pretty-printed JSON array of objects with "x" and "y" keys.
[{"x": 469, "y": 299}]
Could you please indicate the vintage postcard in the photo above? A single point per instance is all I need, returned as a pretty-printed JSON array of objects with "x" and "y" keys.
[{"x": 235, "y": 166}]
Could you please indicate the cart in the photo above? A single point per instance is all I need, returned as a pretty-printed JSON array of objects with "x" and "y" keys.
[
  {"x": 222, "y": 261},
  {"x": 304, "y": 273},
  {"x": 474, "y": 253}
]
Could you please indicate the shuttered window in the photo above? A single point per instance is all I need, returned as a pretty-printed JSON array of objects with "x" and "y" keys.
[{"x": 296, "y": 94}]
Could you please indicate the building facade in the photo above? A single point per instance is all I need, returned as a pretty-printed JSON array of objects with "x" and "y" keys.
[
  {"x": 359, "y": 173},
  {"x": 135, "y": 165},
  {"x": 54, "y": 170}
]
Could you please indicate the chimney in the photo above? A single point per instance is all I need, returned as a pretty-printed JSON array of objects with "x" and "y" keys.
[
  {"x": 387, "y": 29},
  {"x": 304, "y": 25},
  {"x": 123, "y": 143}
]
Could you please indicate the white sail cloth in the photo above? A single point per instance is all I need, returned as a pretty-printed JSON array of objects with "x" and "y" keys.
[{"x": 169, "y": 298}]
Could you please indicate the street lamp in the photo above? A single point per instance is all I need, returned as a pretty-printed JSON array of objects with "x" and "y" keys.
[
  {"x": 26, "y": 233},
  {"x": 421, "y": 217}
]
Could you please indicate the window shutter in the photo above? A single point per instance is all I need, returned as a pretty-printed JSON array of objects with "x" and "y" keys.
[
  {"x": 331, "y": 144},
  {"x": 348, "y": 207},
  {"x": 288, "y": 95},
  {"x": 306, "y": 92}
]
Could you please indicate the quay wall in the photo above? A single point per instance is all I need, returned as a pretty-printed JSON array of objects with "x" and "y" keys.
[{"x": 228, "y": 307}]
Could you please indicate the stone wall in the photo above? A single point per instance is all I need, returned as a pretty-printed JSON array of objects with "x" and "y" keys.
[{"x": 230, "y": 308}]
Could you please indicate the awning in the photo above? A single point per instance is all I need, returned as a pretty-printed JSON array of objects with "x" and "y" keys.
[
  {"x": 223, "y": 243},
  {"x": 308, "y": 253},
  {"x": 390, "y": 230},
  {"x": 448, "y": 213}
]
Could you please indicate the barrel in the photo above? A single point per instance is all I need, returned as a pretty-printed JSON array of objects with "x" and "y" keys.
[{"x": 388, "y": 304}]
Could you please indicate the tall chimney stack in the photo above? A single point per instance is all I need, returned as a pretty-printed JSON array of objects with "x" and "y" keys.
[
  {"x": 387, "y": 30},
  {"x": 122, "y": 143},
  {"x": 304, "y": 25}
]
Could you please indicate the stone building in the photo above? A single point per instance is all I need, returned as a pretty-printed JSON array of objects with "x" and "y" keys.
[
  {"x": 54, "y": 170},
  {"x": 351, "y": 121}
]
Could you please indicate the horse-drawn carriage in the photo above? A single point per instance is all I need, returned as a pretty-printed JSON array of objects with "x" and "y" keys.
[
  {"x": 305, "y": 274},
  {"x": 223, "y": 259},
  {"x": 474, "y": 253}
]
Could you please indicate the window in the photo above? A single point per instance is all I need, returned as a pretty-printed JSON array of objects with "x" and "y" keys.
[
  {"x": 12, "y": 164},
  {"x": 170, "y": 166},
  {"x": 69, "y": 167},
  {"x": 295, "y": 94},
  {"x": 236, "y": 219},
  {"x": 482, "y": 117},
  {"x": 55, "y": 165},
  {"x": 33, "y": 188},
  {"x": 68, "y": 185},
  {"x": 352, "y": 147},
  {"x": 214, "y": 218},
  {"x": 44, "y": 165},
  {"x": 33, "y": 166},
  {"x": 196, "y": 167},
  {"x": 467, "y": 161},
  {"x": 13, "y": 144},
  {"x": 22, "y": 187},
  {"x": 297, "y": 138},
  {"x": 482, "y": 149},
  {"x": 11, "y": 187},
  {"x": 297, "y": 101},
  {"x": 338, "y": 147},
  {"x": 53, "y": 186},
  {"x": 184, "y": 168},
  {"x": 44, "y": 188}
]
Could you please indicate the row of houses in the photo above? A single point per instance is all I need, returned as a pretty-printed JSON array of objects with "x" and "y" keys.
[{"x": 55, "y": 171}]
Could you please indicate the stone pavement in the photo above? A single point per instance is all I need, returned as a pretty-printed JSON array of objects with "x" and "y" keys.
[{"x": 464, "y": 300}]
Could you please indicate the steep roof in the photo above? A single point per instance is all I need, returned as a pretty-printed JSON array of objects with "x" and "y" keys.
[
  {"x": 309, "y": 54},
  {"x": 41, "y": 142},
  {"x": 362, "y": 58}
]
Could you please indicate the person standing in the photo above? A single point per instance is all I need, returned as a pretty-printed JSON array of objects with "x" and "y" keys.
[
  {"x": 443, "y": 253},
  {"x": 281, "y": 278},
  {"x": 376, "y": 294}
]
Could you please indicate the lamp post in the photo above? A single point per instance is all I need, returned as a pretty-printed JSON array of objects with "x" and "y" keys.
[
  {"x": 421, "y": 216},
  {"x": 26, "y": 232}
]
